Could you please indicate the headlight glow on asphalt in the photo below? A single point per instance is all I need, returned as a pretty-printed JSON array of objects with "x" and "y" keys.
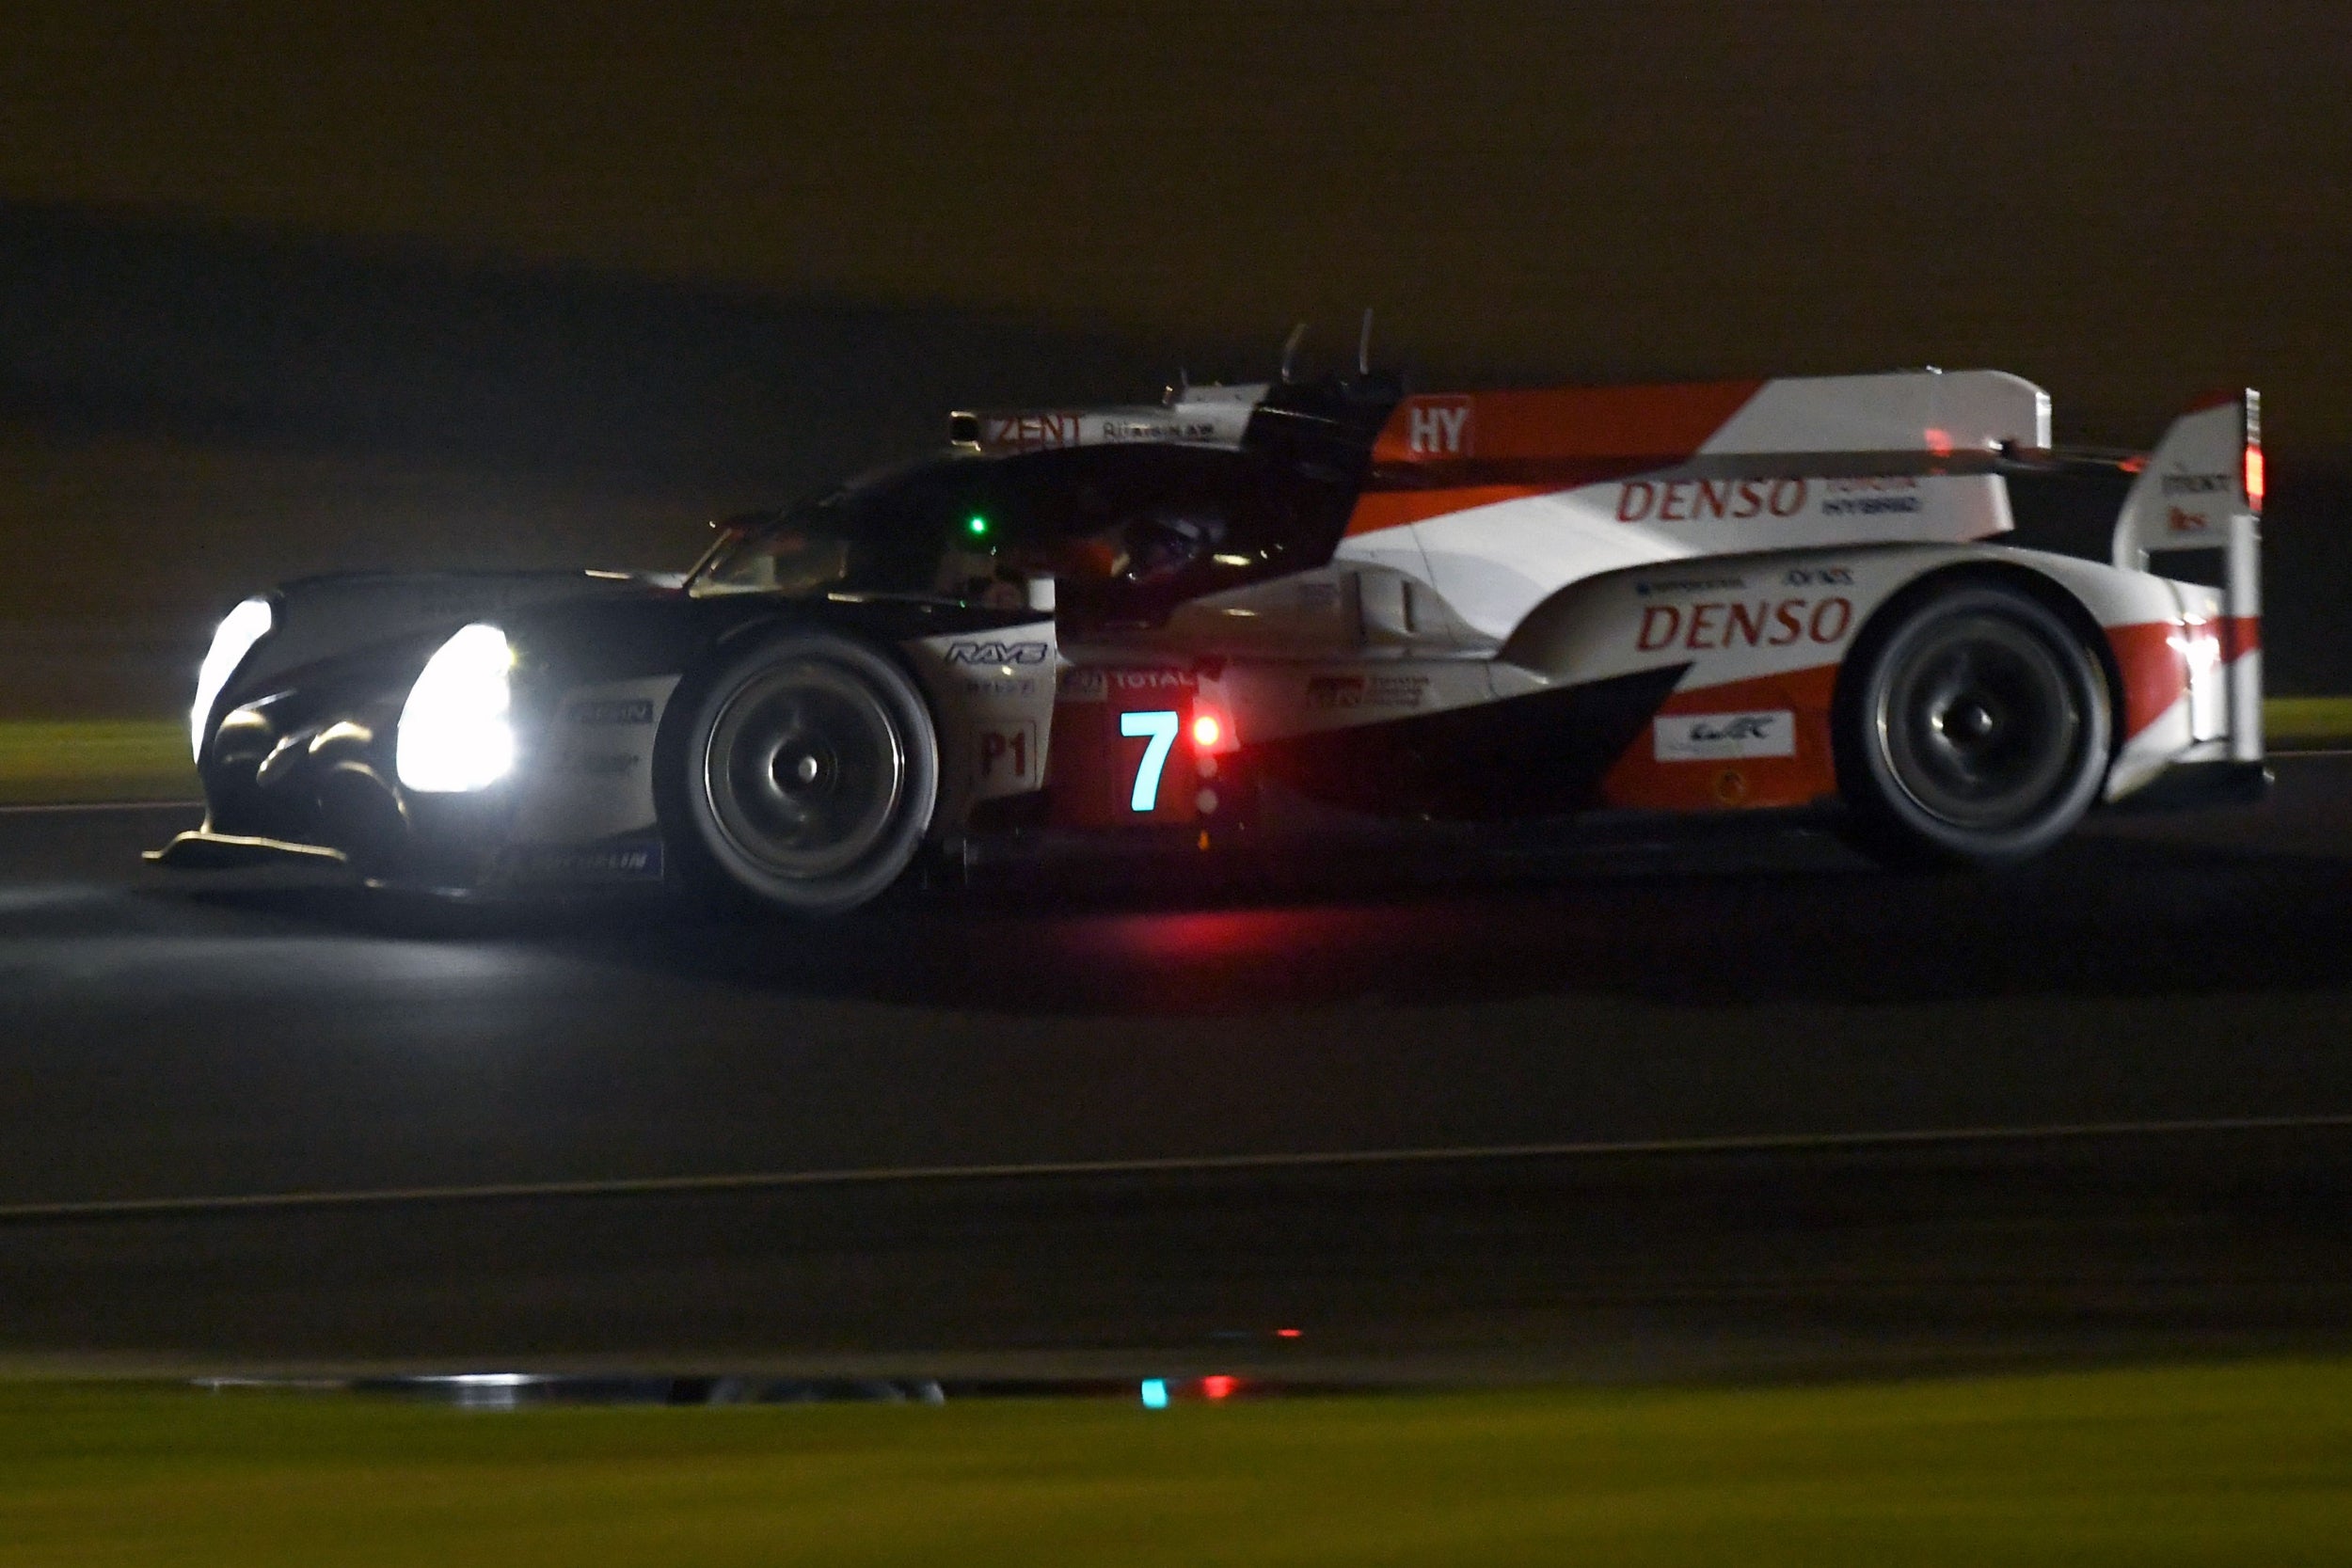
[
  {"x": 454, "y": 733},
  {"x": 234, "y": 637}
]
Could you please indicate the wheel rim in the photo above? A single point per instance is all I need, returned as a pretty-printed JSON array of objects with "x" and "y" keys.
[
  {"x": 804, "y": 770},
  {"x": 1979, "y": 721}
]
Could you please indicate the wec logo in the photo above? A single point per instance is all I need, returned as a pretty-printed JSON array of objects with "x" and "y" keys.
[
  {"x": 998, "y": 653},
  {"x": 1745, "y": 726},
  {"x": 1725, "y": 736}
]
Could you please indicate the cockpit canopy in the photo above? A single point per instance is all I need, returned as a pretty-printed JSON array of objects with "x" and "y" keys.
[{"x": 1126, "y": 532}]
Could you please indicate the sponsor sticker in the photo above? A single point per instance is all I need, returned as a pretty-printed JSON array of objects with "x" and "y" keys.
[
  {"x": 1871, "y": 496},
  {"x": 1157, "y": 429},
  {"x": 1143, "y": 682},
  {"x": 999, "y": 653},
  {"x": 1691, "y": 501},
  {"x": 1004, "y": 687},
  {"x": 1718, "y": 736},
  {"x": 1030, "y": 432},
  {"x": 1372, "y": 690},
  {"x": 592, "y": 863},
  {"x": 1096, "y": 684},
  {"x": 610, "y": 711},
  {"x": 1744, "y": 623}
]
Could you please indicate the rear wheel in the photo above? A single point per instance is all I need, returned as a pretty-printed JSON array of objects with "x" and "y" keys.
[
  {"x": 812, "y": 770},
  {"x": 1978, "y": 733}
]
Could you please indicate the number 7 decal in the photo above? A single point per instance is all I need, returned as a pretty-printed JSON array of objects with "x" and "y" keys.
[{"x": 1160, "y": 724}]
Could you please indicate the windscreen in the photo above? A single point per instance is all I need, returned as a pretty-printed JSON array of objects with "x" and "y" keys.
[
  {"x": 1129, "y": 533},
  {"x": 927, "y": 531}
]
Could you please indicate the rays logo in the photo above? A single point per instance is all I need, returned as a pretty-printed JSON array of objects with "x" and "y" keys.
[{"x": 999, "y": 653}]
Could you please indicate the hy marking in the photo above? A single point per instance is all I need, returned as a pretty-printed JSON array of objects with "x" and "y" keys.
[{"x": 1438, "y": 427}]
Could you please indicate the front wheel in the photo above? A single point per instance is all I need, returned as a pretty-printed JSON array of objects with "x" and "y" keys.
[
  {"x": 812, "y": 771},
  {"x": 1978, "y": 729}
]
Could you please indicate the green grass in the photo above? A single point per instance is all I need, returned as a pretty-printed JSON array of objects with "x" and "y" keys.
[
  {"x": 95, "y": 759},
  {"x": 2242, "y": 1465},
  {"x": 2308, "y": 721}
]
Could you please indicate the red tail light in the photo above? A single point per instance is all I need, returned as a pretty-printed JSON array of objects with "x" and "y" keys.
[
  {"x": 1206, "y": 732},
  {"x": 2255, "y": 475}
]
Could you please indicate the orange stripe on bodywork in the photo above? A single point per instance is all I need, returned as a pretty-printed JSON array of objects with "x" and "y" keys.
[
  {"x": 1639, "y": 780},
  {"x": 2153, "y": 658},
  {"x": 1667, "y": 422},
  {"x": 1448, "y": 452}
]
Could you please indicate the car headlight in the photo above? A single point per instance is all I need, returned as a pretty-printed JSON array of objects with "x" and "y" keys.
[
  {"x": 454, "y": 733},
  {"x": 231, "y": 640}
]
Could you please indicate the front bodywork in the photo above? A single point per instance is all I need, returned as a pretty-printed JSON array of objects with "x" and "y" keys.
[{"x": 300, "y": 759}]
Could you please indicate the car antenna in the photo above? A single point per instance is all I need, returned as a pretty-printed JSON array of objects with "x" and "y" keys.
[
  {"x": 1290, "y": 350},
  {"x": 1363, "y": 345}
]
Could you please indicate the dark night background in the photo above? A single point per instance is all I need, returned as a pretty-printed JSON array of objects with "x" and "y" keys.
[{"x": 284, "y": 288}]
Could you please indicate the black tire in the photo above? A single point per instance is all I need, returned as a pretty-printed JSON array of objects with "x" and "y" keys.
[
  {"x": 807, "y": 776},
  {"x": 1976, "y": 730}
]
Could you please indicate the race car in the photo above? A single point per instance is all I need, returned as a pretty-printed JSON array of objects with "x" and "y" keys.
[{"x": 1252, "y": 613}]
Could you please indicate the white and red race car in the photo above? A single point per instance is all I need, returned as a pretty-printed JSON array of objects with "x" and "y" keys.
[{"x": 1278, "y": 609}]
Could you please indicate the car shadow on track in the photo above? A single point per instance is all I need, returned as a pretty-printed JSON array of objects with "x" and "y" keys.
[{"x": 2103, "y": 917}]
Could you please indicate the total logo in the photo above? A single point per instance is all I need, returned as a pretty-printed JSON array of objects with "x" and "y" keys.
[
  {"x": 999, "y": 653},
  {"x": 1152, "y": 680},
  {"x": 1743, "y": 622}
]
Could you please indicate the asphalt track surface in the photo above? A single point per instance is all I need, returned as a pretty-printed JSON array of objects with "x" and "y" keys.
[{"x": 1744, "y": 1106}]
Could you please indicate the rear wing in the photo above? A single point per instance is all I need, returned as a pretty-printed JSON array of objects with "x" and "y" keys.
[{"x": 2202, "y": 489}]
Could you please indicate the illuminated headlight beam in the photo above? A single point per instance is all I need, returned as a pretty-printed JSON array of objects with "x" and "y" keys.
[
  {"x": 453, "y": 731},
  {"x": 232, "y": 640}
]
